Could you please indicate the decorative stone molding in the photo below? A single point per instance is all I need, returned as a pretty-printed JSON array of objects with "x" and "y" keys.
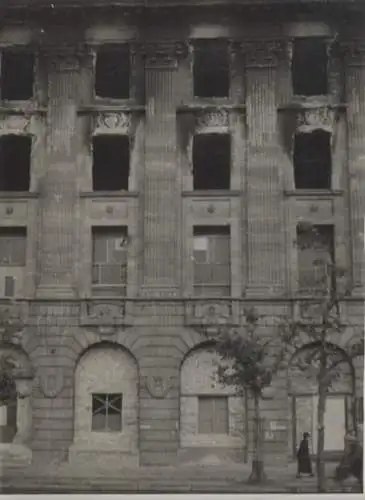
[
  {"x": 103, "y": 312},
  {"x": 51, "y": 381},
  {"x": 262, "y": 53},
  {"x": 323, "y": 117},
  {"x": 219, "y": 118},
  {"x": 353, "y": 52},
  {"x": 158, "y": 386},
  {"x": 18, "y": 124},
  {"x": 112, "y": 122},
  {"x": 164, "y": 54},
  {"x": 158, "y": 292},
  {"x": 210, "y": 316}
]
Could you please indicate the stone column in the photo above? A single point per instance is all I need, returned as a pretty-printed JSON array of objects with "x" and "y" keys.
[
  {"x": 162, "y": 197},
  {"x": 58, "y": 185},
  {"x": 265, "y": 238},
  {"x": 355, "y": 99}
]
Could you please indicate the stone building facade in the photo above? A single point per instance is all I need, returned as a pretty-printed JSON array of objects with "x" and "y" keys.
[{"x": 155, "y": 163}]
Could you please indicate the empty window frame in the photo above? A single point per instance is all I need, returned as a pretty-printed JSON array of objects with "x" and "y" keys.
[
  {"x": 316, "y": 257},
  {"x": 17, "y": 75},
  {"x": 109, "y": 260},
  {"x": 310, "y": 66},
  {"x": 212, "y": 269},
  {"x": 15, "y": 159},
  {"x": 8, "y": 416},
  {"x": 213, "y": 415},
  {"x": 112, "y": 72},
  {"x": 211, "y": 69},
  {"x": 312, "y": 160},
  {"x": 111, "y": 159},
  {"x": 12, "y": 260},
  {"x": 211, "y": 161},
  {"x": 106, "y": 412}
]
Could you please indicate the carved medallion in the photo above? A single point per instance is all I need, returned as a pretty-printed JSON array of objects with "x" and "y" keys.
[
  {"x": 51, "y": 381},
  {"x": 120, "y": 122},
  {"x": 158, "y": 386}
]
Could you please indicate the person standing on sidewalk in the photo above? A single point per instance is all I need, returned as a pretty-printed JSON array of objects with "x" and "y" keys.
[{"x": 303, "y": 457}]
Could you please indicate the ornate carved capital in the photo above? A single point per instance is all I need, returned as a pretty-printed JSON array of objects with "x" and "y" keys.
[
  {"x": 322, "y": 117},
  {"x": 353, "y": 52},
  {"x": 164, "y": 54},
  {"x": 112, "y": 122},
  {"x": 211, "y": 119},
  {"x": 262, "y": 53}
]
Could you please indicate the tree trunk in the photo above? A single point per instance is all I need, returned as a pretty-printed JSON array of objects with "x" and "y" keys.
[
  {"x": 320, "y": 465},
  {"x": 257, "y": 472}
]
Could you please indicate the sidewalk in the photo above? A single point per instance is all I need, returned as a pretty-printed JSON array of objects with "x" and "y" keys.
[{"x": 204, "y": 479}]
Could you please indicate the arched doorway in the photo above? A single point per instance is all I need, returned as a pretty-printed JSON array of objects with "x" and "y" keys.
[
  {"x": 303, "y": 393},
  {"x": 106, "y": 408},
  {"x": 212, "y": 417}
]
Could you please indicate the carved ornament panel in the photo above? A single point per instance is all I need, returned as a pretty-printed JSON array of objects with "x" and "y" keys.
[
  {"x": 112, "y": 123},
  {"x": 322, "y": 117},
  {"x": 314, "y": 209},
  {"x": 208, "y": 209},
  {"x": 14, "y": 124},
  {"x": 218, "y": 119},
  {"x": 109, "y": 210},
  {"x": 158, "y": 385},
  {"x": 103, "y": 312},
  {"x": 13, "y": 210},
  {"x": 209, "y": 316}
]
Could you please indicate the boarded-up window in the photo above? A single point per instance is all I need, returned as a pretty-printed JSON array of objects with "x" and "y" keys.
[
  {"x": 315, "y": 258},
  {"x": 112, "y": 72},
  {"x": 212, "y": 270},
  {"x": 211, "y": 73},
  {"x": 212, "y": 161},
  {"x": 15, "y": 160},
  {"x": 309, "y": 66},
  {"x": 213, "y": 415},
  {"x": 17, "y": 75},
  {"x": 312, "y": 160},
  {"x": 109, "y": 271},
  {"x": 107, "y": 412},
  {"x": 12, "y": 260}
]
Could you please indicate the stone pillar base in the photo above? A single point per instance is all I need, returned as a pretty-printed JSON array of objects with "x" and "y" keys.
[{"x": 14, "y": 455}]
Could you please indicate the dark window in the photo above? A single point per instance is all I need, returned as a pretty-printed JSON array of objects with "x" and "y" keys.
[
  {"x": 112, "y": 72},
  {"x": 213, "y": 415},
  {"x": 211, "y": 69},
  {"x": 110, "y": 162},
  {"x": 316, "y": 256},
  {"x": 15, "y": 154},
  {"x": 107, "y": 412},
  {"x": 212, "y": 270},
  {"x": 309, "y": 67},
  {"x": 17, "y": 75},
  {"x": 212, "y": 161},
  {"x": 8, "y": 417},
  {"x": 312, "y": 160},
  {"x": 360, "y": 410},
  {"x": 109, "y": 272}
]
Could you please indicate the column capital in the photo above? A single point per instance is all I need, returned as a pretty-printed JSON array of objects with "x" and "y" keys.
[
  {"x": 353, "y": 52},
  {"x": 262, "y": 53},
  {"x": 164, "y": 54}
]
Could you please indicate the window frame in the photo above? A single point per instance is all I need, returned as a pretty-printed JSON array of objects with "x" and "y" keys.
[
  {"x": 215, "y": 421},
  {"x": 106, "y": 400}
]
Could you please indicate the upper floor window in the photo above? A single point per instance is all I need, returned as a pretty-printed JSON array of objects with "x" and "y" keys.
[
  {"x": 12, "y": 260},
  {"x": 112, "y": 72},
  {"x": 316, "y": 257},
  {"x": 15, "y": 156},
  {"x": 309, "y": 66},
  {"x": 109, "y": 259},
  {"x": 17, "y": 75},
  {"x": 312, "y": 160},
  {"x": 106, "y": 412},
  {"x": 111, "y": 162},
  {"x": 212, "y": 270},
  {"x": 211, "y": 161},
  {"x": 211, "y": 69}
]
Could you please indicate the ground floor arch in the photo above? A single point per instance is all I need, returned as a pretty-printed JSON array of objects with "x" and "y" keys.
[
  {"x": 106, "y": 408},
  {"x": 212, "y": 417}
]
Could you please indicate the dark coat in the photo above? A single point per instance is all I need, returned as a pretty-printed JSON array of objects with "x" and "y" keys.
[{"x": 304, "y": 460}]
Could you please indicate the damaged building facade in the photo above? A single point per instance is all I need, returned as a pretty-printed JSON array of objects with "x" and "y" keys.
[{"x": 155, "y": 163}]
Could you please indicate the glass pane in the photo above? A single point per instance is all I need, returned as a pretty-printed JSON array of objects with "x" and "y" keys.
[
  {"x": 219, "y": 249},
  {"x": 99, "y": 249},
  {"x": 4, "y": 250},
  {"x": 115, "y": 422},
  {"x": 200, "y": 256},
  {"x": 98, "y": 422},
  {"x": 111, "y": 274},
  {"x": 205, "y": 412},
  {"x": 221, "y": 415},
  {"x": 115, "y": 401},
  {"x": 99, "y": 402}
]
